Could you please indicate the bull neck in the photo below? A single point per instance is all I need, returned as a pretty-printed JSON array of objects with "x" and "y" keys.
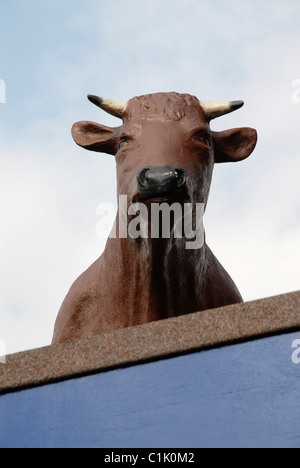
[{"x": 158, "y": 275}]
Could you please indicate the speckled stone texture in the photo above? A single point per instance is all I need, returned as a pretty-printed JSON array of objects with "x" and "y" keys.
[{"x": 156, "y": 340}]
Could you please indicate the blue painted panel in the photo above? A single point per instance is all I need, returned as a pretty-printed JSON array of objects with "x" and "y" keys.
[{"x": 244, "y": 395}]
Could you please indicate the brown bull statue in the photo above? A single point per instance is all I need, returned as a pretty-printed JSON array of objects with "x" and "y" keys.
[{"x": 165, "y": 152}]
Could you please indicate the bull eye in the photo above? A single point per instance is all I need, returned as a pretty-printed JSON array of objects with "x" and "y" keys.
[
  {"x": 122, "y": 143},
  {"x": 202, "y": 137}
]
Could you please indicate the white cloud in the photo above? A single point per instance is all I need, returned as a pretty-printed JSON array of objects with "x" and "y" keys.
[{"x": 48, "y": 237}]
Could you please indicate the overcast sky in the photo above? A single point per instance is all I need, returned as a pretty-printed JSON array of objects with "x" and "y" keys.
[{"x": 52, "y": 53}]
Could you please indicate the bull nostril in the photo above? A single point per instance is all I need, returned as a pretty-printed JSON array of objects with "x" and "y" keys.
[
  {"x": 142, "y": 176},
  {"x": 181, "y": 176}
]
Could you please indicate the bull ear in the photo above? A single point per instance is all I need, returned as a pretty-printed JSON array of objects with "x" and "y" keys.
[
  {"x": 234, "y": 145},
  {"x": 95, "y": 137}
]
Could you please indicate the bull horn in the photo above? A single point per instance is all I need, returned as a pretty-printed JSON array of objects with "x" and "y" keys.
[
  {"x": 115, "y": 108},
  {"x": 215, "y": 109}
]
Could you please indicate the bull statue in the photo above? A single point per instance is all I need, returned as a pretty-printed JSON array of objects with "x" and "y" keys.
[{"x": 165, "y": 152}]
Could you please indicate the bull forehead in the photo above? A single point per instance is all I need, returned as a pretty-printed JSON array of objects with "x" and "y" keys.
[
  {"x": 157, "y": 132},
  {"x": 166, "y": 107}
]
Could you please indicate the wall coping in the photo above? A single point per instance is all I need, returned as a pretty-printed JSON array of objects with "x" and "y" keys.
[{"x": 155, "y": 340}]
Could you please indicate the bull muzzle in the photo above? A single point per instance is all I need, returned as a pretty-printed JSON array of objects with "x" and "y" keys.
[{"x": 162, "y": 182}]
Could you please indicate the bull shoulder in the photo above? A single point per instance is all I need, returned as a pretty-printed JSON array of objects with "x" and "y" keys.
[
  {"x": 77, "y": 312},
  {"x": 220, "y": 287}
]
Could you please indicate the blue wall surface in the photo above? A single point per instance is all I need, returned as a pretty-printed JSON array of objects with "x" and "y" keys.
[{"x": 243, "y": 395}]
